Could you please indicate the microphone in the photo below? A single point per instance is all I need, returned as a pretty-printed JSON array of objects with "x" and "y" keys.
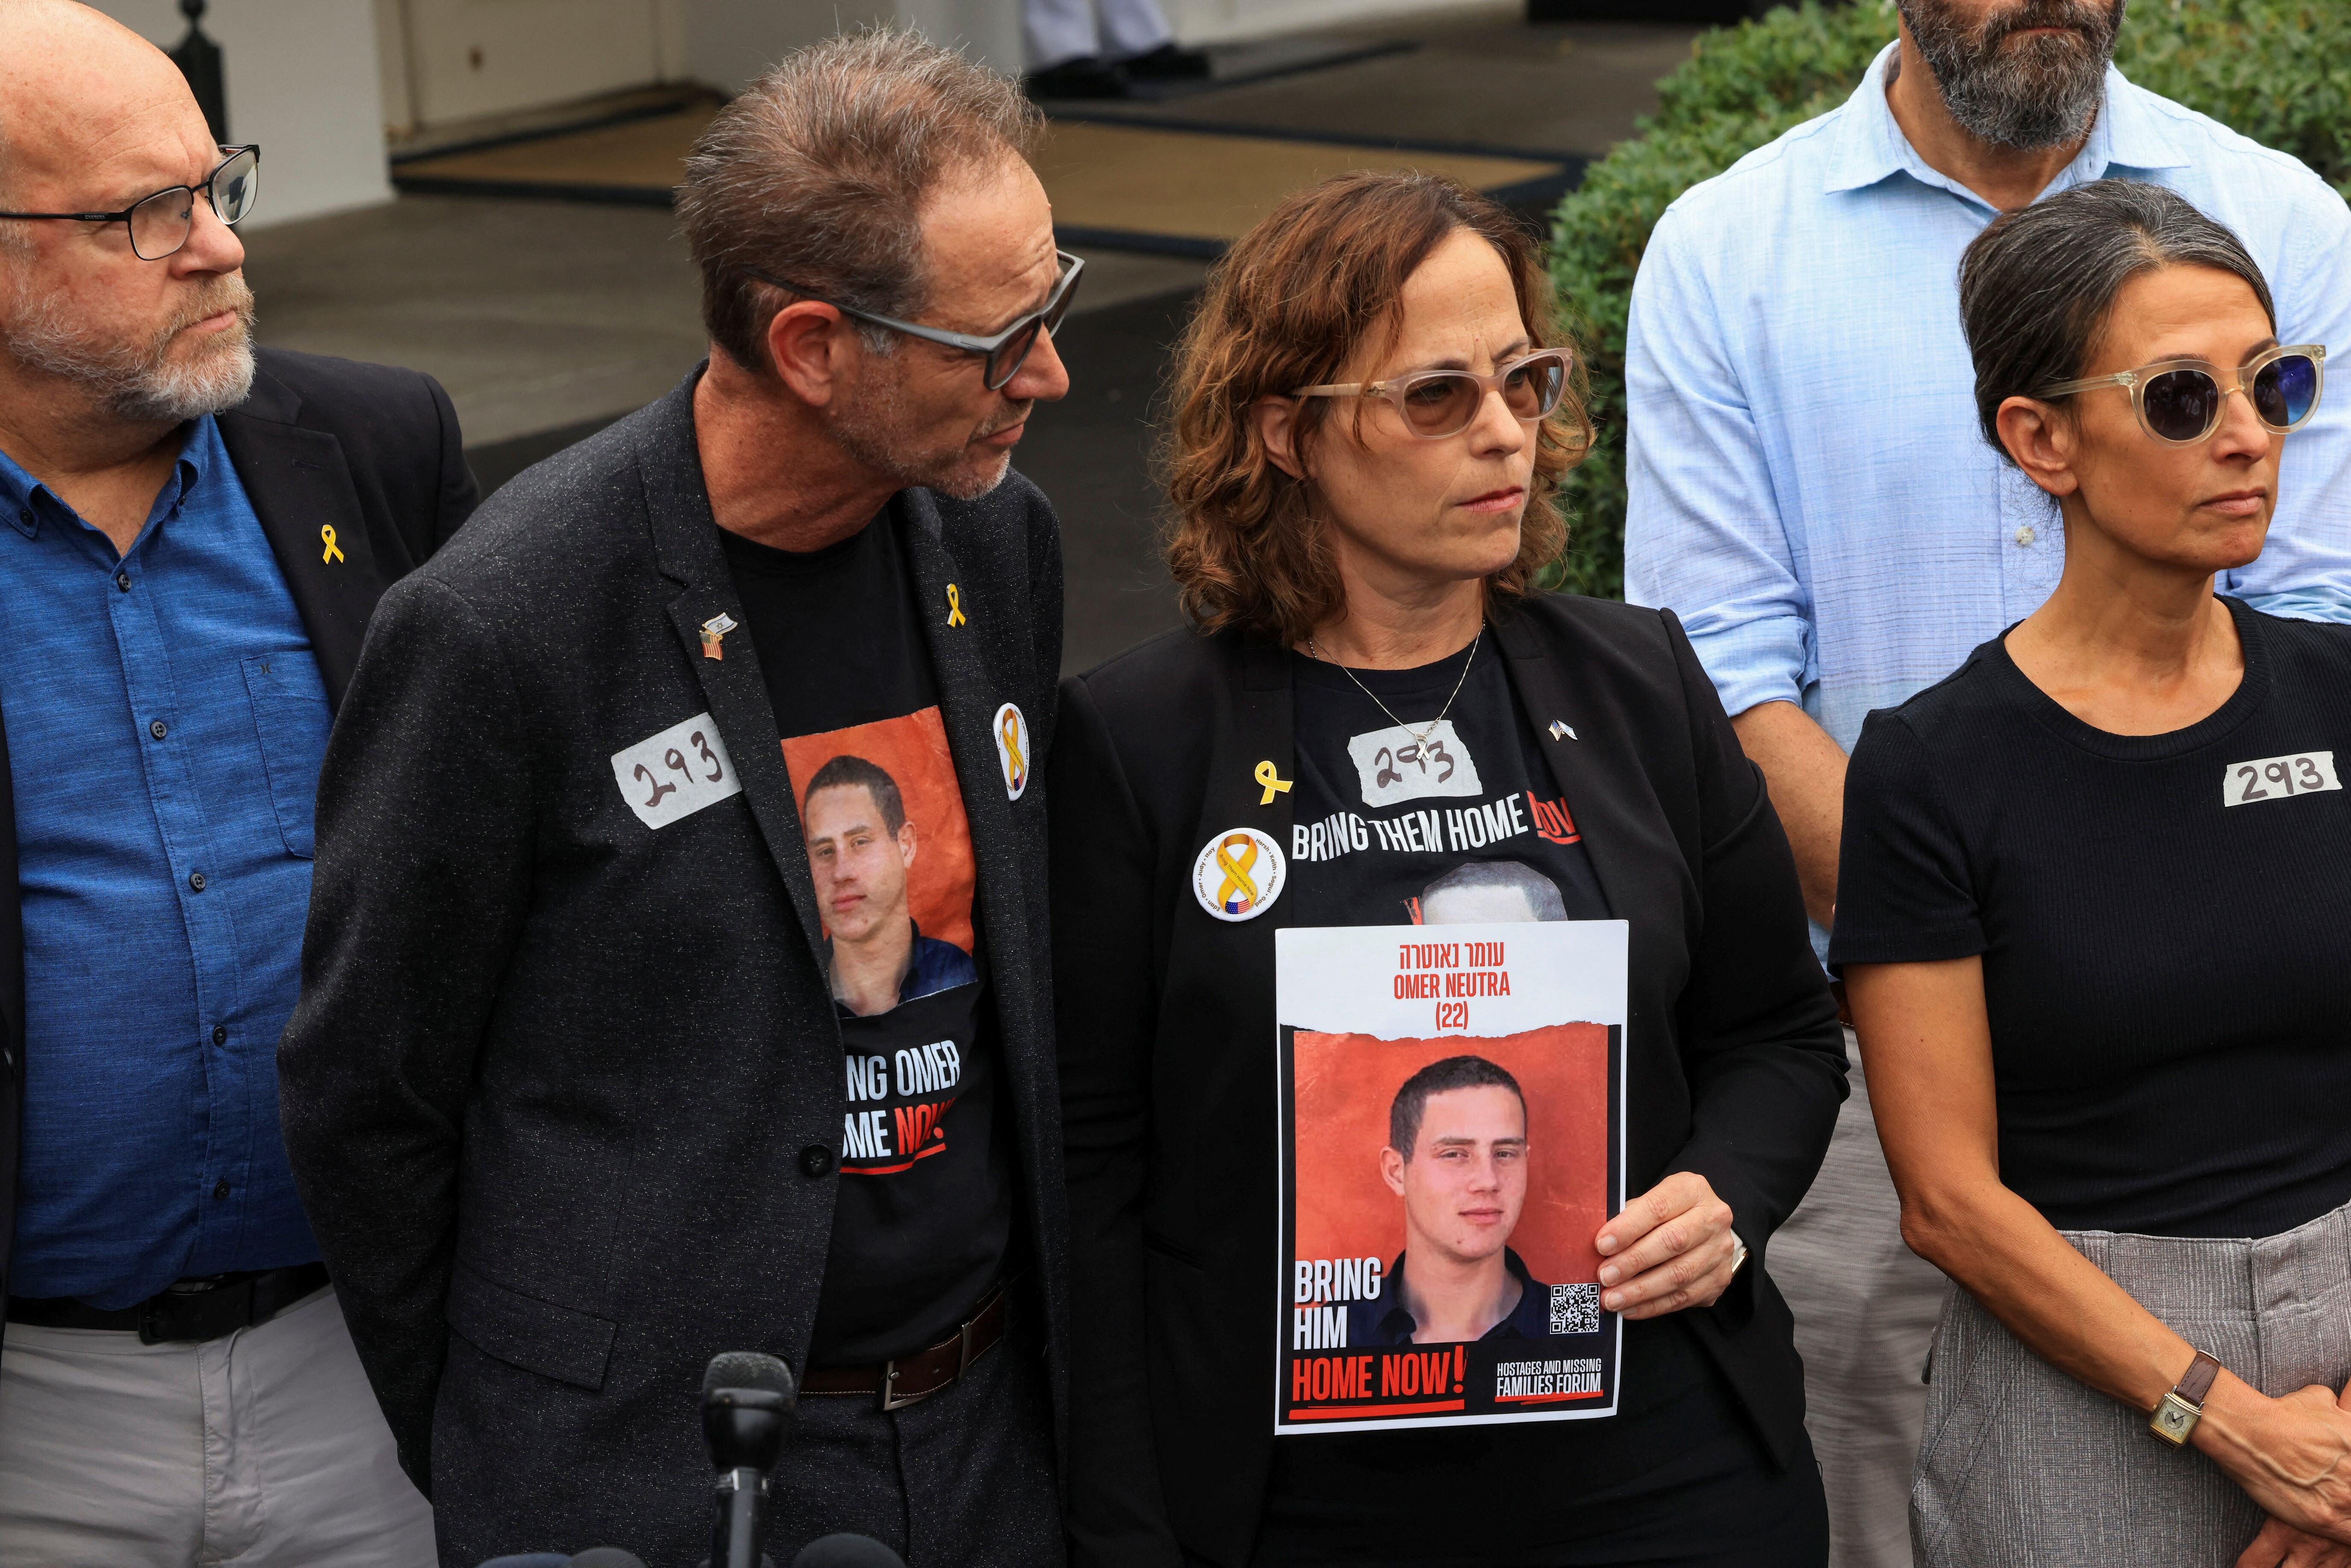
[
  {"x": 847, "y": 1552},
  {"x": 746, "y": 1405}
]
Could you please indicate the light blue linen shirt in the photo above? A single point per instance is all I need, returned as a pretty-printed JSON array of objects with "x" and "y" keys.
[{"x": 1810, "y": 491}]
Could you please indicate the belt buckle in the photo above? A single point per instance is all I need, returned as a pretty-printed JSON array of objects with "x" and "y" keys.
[
  {"x": 890, "y": 1400},
  {"x": 173, "y": 1316}
]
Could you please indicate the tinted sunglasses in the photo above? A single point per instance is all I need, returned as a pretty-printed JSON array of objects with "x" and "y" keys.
[
  {"x": 1437, "y": 403},
  {"x": 1001, "y": 356},
  {"x": 2180, "y": 402}
]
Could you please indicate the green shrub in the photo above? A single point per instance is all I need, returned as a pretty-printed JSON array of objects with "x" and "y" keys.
[{"x": 2277, "y": 70}]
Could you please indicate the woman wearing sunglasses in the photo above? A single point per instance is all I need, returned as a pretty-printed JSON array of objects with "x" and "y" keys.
[
  {"x": 1371, "y": 414},
  {"x": 2093, "y": 900}
]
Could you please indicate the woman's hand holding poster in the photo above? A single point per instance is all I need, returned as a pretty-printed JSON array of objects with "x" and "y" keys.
[{"x": 1452, "y": 1142}]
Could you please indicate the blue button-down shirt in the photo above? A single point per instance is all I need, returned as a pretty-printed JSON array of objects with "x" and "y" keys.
[
  {"x": 1809, "y": 488},
  {"x": 166, "y": 721}
]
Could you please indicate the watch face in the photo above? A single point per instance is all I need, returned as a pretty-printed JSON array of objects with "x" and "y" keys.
[{"x": 2173, "y": 1419}]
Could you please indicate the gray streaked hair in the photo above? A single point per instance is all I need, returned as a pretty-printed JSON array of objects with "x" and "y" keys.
[
  {"x": 2038, "y": 284},
  {"x": 818, "y": 172}
]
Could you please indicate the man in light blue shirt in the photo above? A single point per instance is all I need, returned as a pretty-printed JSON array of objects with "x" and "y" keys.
[{"x": 1811, "y": 493}]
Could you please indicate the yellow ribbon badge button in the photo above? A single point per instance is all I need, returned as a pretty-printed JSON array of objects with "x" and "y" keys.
[
  {"x": 955, "y": 617},
  {"x": 327, "y": 537},
  {"x": 1239, "y": 874},
  {"x": 1012, "y": 749}
]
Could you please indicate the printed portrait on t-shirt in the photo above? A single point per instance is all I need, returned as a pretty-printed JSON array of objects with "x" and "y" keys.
[
  {"x": 889, "y": 850},
  {"x": 890, "y": 853}
]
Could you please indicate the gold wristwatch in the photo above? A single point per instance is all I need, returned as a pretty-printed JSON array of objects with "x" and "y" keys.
[{"x": 2184, "y": 1406}]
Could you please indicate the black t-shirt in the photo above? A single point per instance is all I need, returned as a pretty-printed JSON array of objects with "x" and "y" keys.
[
  {"x": 2162, "y": 921},
  {"x": 1381, "y": 827},
  {"x": 923, "y": 1216}
]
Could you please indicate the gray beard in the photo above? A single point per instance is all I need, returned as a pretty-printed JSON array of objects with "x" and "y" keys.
[
  {"x": 2044, "y": 93},
  {"x": 139, "y": 381},
  {"x": 873, "y": 430}
]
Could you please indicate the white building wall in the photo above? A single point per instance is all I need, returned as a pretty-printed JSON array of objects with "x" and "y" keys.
[
  {"x": 302, "y": 81},
  {"x": 1229, "y": 21},
  {"x": 728, "y": 42}
]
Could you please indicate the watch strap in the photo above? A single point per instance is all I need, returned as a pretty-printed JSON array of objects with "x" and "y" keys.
[{"x": 2197, "y": 1382}]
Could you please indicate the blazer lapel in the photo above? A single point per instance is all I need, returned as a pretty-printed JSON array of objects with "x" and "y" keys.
[
  {"x": 969, "y": 698},
  {"x": 300, "y": 488},
  {"x": 1592, "y": 761},
  {"x": 686, "y": 543}
]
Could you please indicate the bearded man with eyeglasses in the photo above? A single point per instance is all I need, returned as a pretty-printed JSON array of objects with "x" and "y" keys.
[
  {"x": 195, "y": 535},
  {"x": 585, "y": 1088},
  {"x": 1809, "y": 491}
]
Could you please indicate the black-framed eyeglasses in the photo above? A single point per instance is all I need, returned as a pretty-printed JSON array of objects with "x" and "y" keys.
[
  {"x": 160, "y": 224},
  {"x": 1003, "y": 354}
]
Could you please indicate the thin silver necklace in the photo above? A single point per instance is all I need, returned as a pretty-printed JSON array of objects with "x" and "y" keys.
[{"x": 1420, "y": 737}]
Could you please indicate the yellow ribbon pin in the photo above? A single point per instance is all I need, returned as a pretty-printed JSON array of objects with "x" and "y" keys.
[
  {"x": 326, "y": 537},
  {"x": 1272, "y": 781},
  {"x": 1016, "y": 766},
  {"x": 955, "y": 617},
  {"x": 1237, "y": 891}
]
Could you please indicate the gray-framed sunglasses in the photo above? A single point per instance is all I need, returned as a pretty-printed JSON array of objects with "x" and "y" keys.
[
  {"x": 1435, "y": 404},
  {"x": 1002, "y": 355},
  {"x": 2180, "y": 402},
  {"x": 159, "y": 223}
]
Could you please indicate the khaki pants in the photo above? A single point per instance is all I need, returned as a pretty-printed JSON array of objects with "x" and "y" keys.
[
  {"x": 1865, "y": 1307},
  {"x": 262, "y": 1449}
]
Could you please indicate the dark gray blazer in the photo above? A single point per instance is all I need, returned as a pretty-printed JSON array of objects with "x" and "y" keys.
[{"x": 564, "y": 1091}]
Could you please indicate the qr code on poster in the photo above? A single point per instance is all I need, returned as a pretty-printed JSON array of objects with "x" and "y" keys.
[{"x": 1576, "y": 1309}]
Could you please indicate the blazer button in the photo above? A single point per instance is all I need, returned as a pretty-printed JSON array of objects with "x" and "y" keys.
[{"x": 816, "y": 1160}]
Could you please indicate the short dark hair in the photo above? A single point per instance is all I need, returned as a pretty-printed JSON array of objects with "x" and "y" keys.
[
  {"x": 1542, "y": 893},
  {"x": 819, "y": 171},
  {"x": 845, "y": 770},
  {"x": 2038, "y": 286},
  {"x": 1440, "y": 1078}
]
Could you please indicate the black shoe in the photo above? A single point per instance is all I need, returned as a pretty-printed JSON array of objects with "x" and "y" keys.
[
  {"x": 1084, "y": 78},
  {"x": 1168, "y": 63}
]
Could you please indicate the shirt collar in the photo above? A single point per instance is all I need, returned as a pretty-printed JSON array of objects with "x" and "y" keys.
[
  {"x": 1871, "y": 146},
  {"x": 24, "y": 501}
]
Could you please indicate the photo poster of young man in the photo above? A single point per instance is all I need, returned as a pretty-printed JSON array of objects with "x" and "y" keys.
[
  {"x": 890, "y": 851},
  {"x": 1452, "y": 1139}
]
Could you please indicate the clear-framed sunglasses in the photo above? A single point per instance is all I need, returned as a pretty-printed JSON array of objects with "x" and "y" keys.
[
  {"x": 160, "y": 224},
  {"x": 1002, "y": 355},
  {"x": 1435, "y": 404},
  {"x": 2180, "y": 402}
]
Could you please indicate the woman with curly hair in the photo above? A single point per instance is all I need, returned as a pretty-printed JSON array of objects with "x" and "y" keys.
[{"x": 1372, "y": 411}]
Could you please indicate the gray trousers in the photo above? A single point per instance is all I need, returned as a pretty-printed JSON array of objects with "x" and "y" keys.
[
  {"x": 2024, "y": 1466},
  {"x": 264, "y": 1448},
  {"x": 1865, "y": 1307}
]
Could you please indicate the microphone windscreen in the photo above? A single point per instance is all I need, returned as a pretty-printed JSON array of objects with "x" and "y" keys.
[
  {"x": 606, "y": 1557},
  {"x": 847, "y": 1552},
  {"x": 747, "y": 1369}
]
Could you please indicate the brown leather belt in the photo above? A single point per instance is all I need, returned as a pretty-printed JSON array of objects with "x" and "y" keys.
[
  {"x": 912, "y": 1378},
  {"x": 189, "y": 1311}
]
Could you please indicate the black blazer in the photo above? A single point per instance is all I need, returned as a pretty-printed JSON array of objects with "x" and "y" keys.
[
  {"x": 1735, "y": 1064},
  {"x": 563, "y": 1092},
  {"x": 367, "y": 450}
]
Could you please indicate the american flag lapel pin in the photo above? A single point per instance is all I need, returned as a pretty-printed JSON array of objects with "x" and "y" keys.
[{"x": 713, "y": 635}]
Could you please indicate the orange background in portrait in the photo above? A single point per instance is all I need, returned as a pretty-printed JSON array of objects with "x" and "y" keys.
[
  {"x": 912, "y": 750},
  {"x": 1346, "y": 1083}
]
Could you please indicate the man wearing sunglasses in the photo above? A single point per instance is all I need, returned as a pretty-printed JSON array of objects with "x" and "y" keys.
[
  {"x": 581, "y": 1092},
  {"x": 1809, "y": 491},
  {"x": 197, "y": 532}
]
